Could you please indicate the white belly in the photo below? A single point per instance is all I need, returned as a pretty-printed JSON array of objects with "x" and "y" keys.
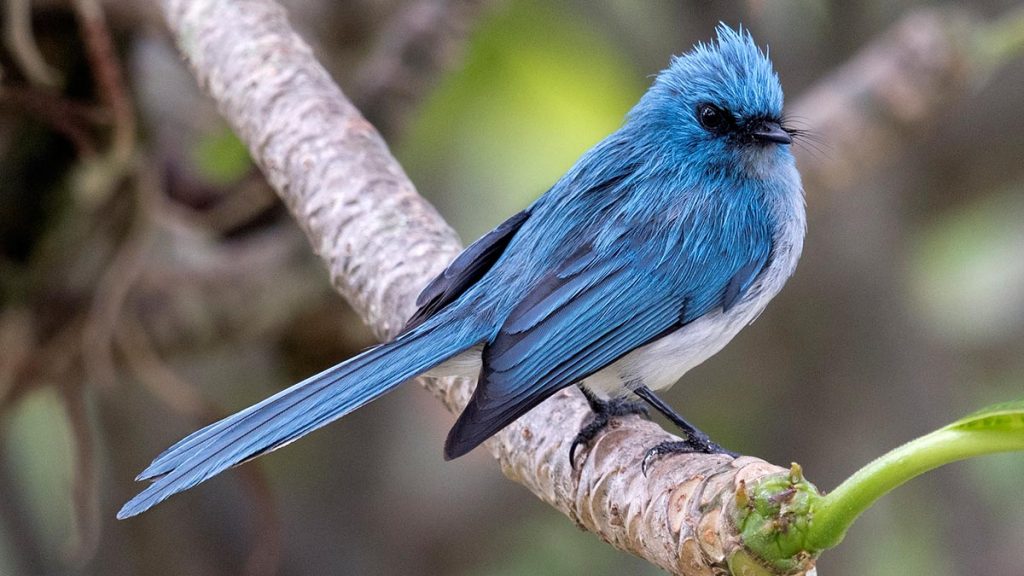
[{"x": 662, "y": 363}]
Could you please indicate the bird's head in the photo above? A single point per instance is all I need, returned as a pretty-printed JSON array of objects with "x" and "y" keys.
[{"x": 720, "y": 103}]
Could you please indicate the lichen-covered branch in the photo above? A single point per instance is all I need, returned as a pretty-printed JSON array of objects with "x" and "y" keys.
[{"x": 382, "y": 243}]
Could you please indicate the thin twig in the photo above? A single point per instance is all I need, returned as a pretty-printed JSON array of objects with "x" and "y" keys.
[
  {"x": 265, "y": 551},
  {"x": 64, "y": 117},
  {"x": 22, "y": 43},
  {"x": 109, "y": 80},
  {"x": 866, "y": 109},
  {"x": 238, "y": 206},
  {"x": 84, "y": 486},
  {"x": 17, "y": 344},
  {"x": 114, "y": 285},
  {"x": 141, "y": 358},
  {"x": 49, "y": 362}
]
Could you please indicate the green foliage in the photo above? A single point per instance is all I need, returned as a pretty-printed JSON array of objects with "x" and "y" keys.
[
  {"x": 1005, "y": 418},
  {"x": 967, "y": 269},
  {"x": 38, "y": 446},
  {"x": 221, "y": 158},
  {"x": 1001, "y": 41}
]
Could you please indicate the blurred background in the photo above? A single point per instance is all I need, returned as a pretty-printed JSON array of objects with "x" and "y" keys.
[{"x": 150, "y": 281}]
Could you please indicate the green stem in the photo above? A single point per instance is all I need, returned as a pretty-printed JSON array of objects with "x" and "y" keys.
[
  {"x": 833, "y": 514},
  {"x": 785, "y": 522}
]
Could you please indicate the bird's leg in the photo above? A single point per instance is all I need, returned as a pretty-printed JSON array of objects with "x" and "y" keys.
[
  {"x": 696, "y": 441},
  {"x": 604, "y": 410}
]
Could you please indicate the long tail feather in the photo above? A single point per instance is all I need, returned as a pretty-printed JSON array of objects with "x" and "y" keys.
[{"x": 296, "y": 411}]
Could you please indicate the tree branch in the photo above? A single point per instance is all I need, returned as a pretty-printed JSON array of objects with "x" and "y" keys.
[
  {"x": 382, "y": 243},
  {"x": 21, "y": 42}
]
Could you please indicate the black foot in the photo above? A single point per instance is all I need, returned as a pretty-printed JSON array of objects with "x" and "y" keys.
[
  {"x": 604, "y": 411},
  {"x": 696, "y": 441},
  {"x": 700, "y": 444}
]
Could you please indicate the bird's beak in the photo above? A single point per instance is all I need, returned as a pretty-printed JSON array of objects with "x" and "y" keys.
[{"x": 771, "y": 132}]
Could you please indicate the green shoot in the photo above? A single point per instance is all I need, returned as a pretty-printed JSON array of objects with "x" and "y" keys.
[{"x": 785, "y": 521}]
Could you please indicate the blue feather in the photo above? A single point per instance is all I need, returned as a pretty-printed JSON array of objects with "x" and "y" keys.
[{"x": 301, "y": 409}]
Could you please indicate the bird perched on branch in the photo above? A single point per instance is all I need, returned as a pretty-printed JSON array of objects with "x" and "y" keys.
[{"x": 659, "y": 245}]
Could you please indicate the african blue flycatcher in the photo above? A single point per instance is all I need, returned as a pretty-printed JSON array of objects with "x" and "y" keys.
[{"x": 646, "y": 258}]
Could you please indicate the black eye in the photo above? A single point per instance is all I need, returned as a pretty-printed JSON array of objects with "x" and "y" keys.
[{"x": 712, "y": 118}]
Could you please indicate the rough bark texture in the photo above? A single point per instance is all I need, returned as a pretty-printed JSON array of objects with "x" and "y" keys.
[{"x": 382, "y": 243}]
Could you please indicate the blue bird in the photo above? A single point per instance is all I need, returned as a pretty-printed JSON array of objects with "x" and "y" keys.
[{"x": 659, "y": 245}]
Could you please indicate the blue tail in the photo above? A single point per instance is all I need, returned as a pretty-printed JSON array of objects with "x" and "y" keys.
[{"x": 297, "y": 411}]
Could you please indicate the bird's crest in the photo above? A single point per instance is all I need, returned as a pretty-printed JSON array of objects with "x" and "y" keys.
[{"x": 731, "y": 69}]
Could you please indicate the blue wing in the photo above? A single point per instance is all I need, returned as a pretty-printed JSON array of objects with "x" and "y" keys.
[
  {"x": 604, "y": 301},
  {"x": 466, "y": 269}
]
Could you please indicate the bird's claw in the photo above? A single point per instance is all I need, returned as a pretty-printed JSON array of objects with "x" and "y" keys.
[
  {"x": 604, "y": 410},
  {"x": 692, "y": 445},
  {"x": 585, "y": 435}
]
